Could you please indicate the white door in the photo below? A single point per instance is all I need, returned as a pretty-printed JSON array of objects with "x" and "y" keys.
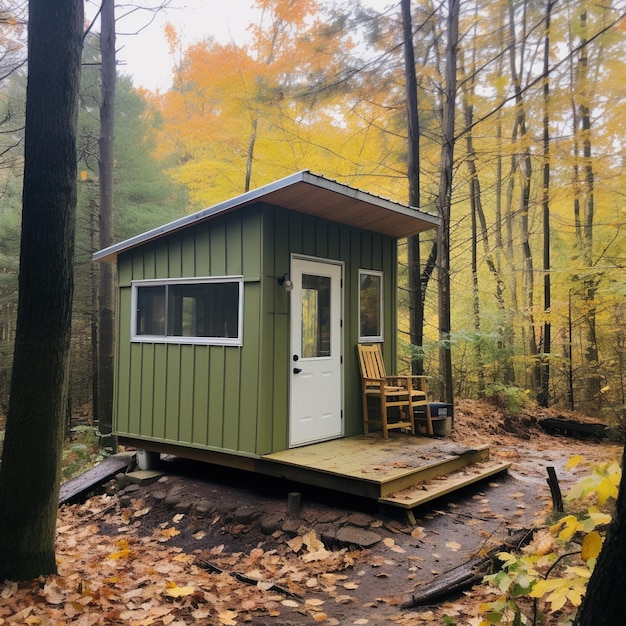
[{"x": 315, "y": 369}]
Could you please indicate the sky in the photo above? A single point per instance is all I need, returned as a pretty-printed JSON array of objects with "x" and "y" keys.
[{"x": 142, "y": 49}]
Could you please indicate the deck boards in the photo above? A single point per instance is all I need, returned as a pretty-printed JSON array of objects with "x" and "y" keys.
[
  {"x": 373, "y": 467},
  {"x": 429, "y": 490},
  {"x": 371, "y": 458}
]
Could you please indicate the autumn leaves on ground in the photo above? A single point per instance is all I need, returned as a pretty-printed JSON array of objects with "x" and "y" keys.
[{"x": 129, "y": 559}]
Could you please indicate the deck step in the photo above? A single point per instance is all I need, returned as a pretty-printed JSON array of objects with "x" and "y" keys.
[
  {"x": 446, "y": 465},
  {"x": 438, "y": 486}
]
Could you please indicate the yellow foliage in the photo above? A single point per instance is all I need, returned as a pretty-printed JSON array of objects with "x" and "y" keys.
[
  {"x": 565, "y": 527},
  {"x": 122, "y": 553},
  {"x": 592, "y": 544},
  {"x": 174, "y": 591},
  {"x": 574, "y": 461}
]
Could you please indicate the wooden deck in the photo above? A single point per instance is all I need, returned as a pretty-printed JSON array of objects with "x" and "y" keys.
[{"x": 402, "y": 471}]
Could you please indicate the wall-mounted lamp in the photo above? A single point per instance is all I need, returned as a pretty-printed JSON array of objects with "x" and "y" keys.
[{"x": 285, "y": 283}]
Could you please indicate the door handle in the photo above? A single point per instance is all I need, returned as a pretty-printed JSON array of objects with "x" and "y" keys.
[{"x": 296, "y": 370}]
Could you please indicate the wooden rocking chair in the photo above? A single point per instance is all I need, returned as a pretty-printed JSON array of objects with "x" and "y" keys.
[{"x": 398, "y": 395}]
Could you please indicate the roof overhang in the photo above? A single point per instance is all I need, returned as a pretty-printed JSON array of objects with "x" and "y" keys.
[{"x": 308, "y": 194}]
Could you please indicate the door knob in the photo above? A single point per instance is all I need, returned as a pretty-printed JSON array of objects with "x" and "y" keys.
[{"x": 296, "y": 370}]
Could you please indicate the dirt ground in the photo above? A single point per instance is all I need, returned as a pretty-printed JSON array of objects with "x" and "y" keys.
[{"x": 188, "y": 548}]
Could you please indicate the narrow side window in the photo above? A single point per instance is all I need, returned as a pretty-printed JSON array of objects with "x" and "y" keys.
[{"x": 370, "y": 306}]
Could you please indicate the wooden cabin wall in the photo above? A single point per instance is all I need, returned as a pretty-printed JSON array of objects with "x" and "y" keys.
[
  {"x": 193, "y": 395},
  {"x": 236, "y": 398},
  {"x": 286, "y": 233}
]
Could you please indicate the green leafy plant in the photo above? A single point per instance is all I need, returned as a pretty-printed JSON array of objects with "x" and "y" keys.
[
  {"x": 552, "y": 572},
  {"x": 512, "y": 399},
  {"x": 81, "y": 451}
]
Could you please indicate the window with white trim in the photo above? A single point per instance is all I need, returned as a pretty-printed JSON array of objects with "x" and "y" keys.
[
  {"x": 196, "y": 310},
  {"x": 370, "y": 306}
]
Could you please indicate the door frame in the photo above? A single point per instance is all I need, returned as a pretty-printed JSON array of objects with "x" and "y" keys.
[{"x": 340, "y": 330}]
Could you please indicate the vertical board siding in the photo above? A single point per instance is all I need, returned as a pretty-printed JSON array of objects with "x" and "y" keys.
[
  {"x": 185, "y": 394},
  {"x": 200, "y": 391},
  {"x": 160, "y": 391},
  {"x": 236, "y": 398},
  {"x": 216, "y": 396}
]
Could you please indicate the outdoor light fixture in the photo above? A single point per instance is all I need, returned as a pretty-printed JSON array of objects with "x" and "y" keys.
[{"x": 285, "y": 283}]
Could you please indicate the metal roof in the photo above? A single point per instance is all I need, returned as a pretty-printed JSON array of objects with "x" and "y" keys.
[{"x": 309, "y": 194}]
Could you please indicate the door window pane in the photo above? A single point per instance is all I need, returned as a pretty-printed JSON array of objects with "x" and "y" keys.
[{"x": 315, "y": 316}]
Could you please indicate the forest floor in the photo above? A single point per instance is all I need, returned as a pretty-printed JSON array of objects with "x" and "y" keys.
[{"x": 189, "y": 548}]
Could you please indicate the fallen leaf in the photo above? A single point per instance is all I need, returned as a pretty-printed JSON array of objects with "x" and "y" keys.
[
  {"x": 174, "y": 591},
  {"x": 453, "y": 545},
  {"x": 227, "y": 618},
  {"x": 574, "y": 461},
  {"x": 8, "y": 589},
  {"x": 53, "y": 593},
  {"x": 418, "y": 532},
  {"x": 168, "y": 533},
  {"x": 344, "y": 599},
  {"x": 291, "y": 603},
  {"x": 296, "y": 543}
]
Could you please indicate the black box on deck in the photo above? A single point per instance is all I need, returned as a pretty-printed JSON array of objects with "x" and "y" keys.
[{"x": 442, "y": 415}]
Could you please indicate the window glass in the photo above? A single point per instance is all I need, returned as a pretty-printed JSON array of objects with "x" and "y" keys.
[
  {"x": 370, "y": 305},
  {"x": 151, "y": 311},
  {"x": 195, "y": 311},
  {"x": 315, "y": 316}
]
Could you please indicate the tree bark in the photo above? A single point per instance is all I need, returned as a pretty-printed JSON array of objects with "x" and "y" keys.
[
  {"x": 30, "y": 471},
  {"x": 416, "y": 300},
  {"x": 106, "y": 288},
  {"x": 444, "y": 202},
  {"x": 544, "y": 392}
]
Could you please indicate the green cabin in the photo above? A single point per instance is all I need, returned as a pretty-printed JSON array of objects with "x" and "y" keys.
[{"x": 237, "y": 325}]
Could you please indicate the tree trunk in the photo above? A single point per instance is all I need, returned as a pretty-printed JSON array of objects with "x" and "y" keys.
[
  {"x": 524, "y": 171},
  {"x": 544, "y": 392},
  {"x": 444, "y": 201},
  {"x": 416, "y": 301},
  {"x": 30, "y": 471},
  {"x": 106, "y": 289},
  {"x": 590, "y": 282}
]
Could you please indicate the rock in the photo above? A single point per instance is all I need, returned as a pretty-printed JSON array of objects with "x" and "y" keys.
[
  {"x": 291, "y": 527},
  {"x": 361, "y": 520},
  {"x": 144, "y": 477},
  {"x": 122, "y": 480},
  {"x": 204, "y": 508},
  {"x": 130, "y": 489},
  {"x": 352, "y": 535},
  {"x": 159, "y": 495},
  {"x": 328, "y": 536},
  {"x": 171, "y": 500},
  {"x": 270, "y": 524},
  {"x": 245, "y": 514},
  {"x": 183, "y": 506}
]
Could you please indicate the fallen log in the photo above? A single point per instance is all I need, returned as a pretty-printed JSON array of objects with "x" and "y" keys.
[{"x": 455, "y": 581}]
